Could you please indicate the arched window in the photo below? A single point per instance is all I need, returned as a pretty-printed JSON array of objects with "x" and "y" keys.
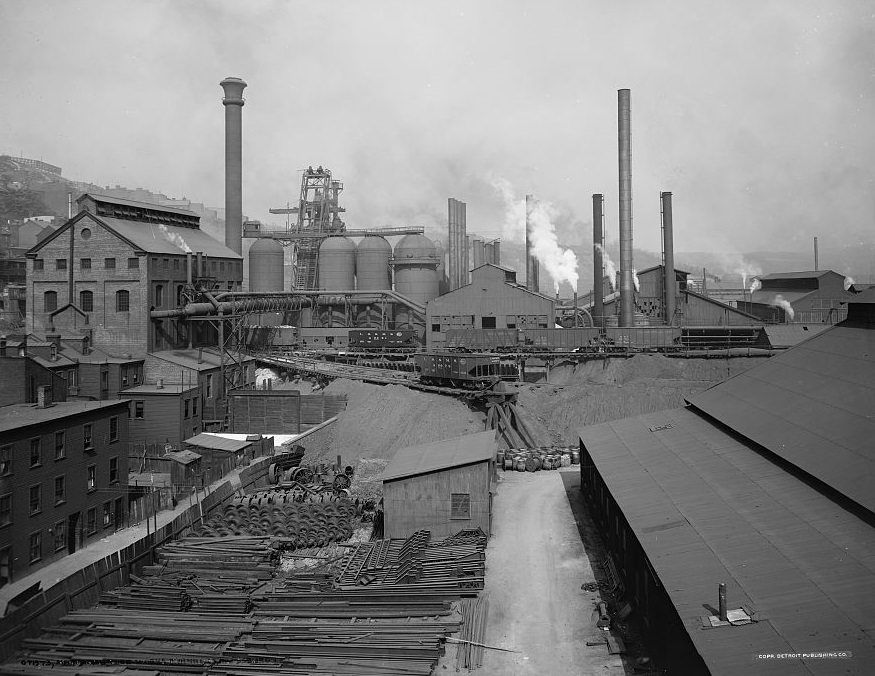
[
  {"x": 159, "y": 295},
  {"x": 86, "y": 301},
  {"x": 50, "y": 301},
  {"x": 122, "y": 301}
]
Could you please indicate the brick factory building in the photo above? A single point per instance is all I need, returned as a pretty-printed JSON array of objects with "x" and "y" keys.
[
  {"x": 63, "y": 480},
  {"x": 443, "y": 486}
]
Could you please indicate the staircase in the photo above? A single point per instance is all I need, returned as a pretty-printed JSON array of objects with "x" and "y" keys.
[{"x": 307, "y": 261}]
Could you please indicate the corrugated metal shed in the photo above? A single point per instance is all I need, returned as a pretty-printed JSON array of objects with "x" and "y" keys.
[
  {"x": 216, "y": 443},
  {"x": 813, "y": 406},
  {"x": 788, "y": 335},
  {"x": 439, "y": 455},
  {"x": 708, "y": 509}
]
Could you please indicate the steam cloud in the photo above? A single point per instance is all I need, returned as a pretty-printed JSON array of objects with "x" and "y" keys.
[
  {"x": 784, "y": 304},
  {"x": 175, "y": 238},
  {"x": 849, "y": 282},
  {"x": 560, "y": 264},
  {"x": 755, "y": 285},
  {"x": 635, "y": 281},
  {"x": 610, "y": 266}
]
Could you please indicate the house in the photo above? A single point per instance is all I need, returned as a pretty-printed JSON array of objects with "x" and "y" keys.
[
  {"x": 63, "y": 479},
  {"x": 493, "y": 300},
  {"x": 220, "y": 454},
  {"x": 163, "y": 414},
  {"x": 762, "y": 483},
  {"x": 443, "y": 486}
]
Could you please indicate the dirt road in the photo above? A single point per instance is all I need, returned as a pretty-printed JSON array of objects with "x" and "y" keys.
[{"x": 535, "y": 565}]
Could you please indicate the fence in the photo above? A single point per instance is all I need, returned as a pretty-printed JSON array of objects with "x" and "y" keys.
[{"x": 82, "y": 589}]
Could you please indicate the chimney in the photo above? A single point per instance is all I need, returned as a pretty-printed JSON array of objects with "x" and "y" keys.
[
  {"x": 233, "y": 101},
  {"x": 466, "y": 277},
  {"x": 816, "y": 268},
  {"x": 625, "y": 165},
  {"x": 598, "y": 266},
  {"x": 189, "y": 276},
  {"x": 668, "y": 258},
  {"x": 43, "y": 396},
  {"x": 496, "y": 252},
  {"x": 477, "y": 253},
  {"x": 451, "y": 242},
  {"x": 55, "y": 339},
  {"x": 531, "y": 261}
]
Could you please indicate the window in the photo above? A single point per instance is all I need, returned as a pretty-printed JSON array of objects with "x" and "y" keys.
[
  {"x": 36, "y": 452},
  {"x": 194, "y": 406},
  {"x": 36, "y": 499},
  {"x": 92, "y": 477},
  {"x": 38, "y": 264},
  {"x": 104, "y": 379},
  {"x": 179, "y": 289},
  {"x": 107, "y": 514},
  {"x": 122, "y": 301},
  {"x": 86, "y": 301},
  {"x": 5, "y": 509},
  {"x": 60, "y": 490},
  {"x": 109, "y": 263},
  {"x": 435, "y": 328},
  {"x": 50, "y": 301},
  {"x": 36, "y": 546},
  {"x": 133, "y": 263},
  {"x": 139, "y": 409},
  {"x": 460, "y": 506},
  {"x": 159, "y": 295},
  {"x": 60, "y": 445},
  {"x": 60, "y": 264},
  {"x": 91, "y": 521},
  {"x": 5, "y": 460},
  {"x": 113, "y": 429},
  {"x": 185, "y": 408},
  {"x": 488, "y": 322},
  {"x": 113, "y": 470},
  {"x": 209, "y": 386},
  {"x": 176, "y": 264},
  {"x": 72, "y": 378},
  {"x": 60, "y": 535},
  {"x": 84, "y": 263},
  {"x": 87, "y": 438},
  {"x": 166, "y": 263}
]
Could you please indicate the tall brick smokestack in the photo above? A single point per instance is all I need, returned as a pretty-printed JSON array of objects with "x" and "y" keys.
[
  {"x": 233, "y": 103},
  {"x": 598, "y": 266},
  {"x": 627, "y": 289}
]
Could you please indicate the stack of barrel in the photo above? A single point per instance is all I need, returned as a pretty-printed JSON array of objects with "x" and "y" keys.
[{"x": 538, "y": 458}]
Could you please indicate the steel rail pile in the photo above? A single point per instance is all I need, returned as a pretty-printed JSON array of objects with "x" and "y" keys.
[
  {"x": 107, "y": 640},
  {"x": 469, "y": 649}
]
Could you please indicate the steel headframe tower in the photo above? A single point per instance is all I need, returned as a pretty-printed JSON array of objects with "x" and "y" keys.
[
  {"x": 233, "y": 102},
  {"x": 627, "y": 288}
]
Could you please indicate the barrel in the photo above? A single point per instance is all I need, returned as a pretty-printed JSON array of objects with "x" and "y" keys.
[
  {"x": 520, "y": 465},
  {"x": 533, "y": 464},
  {"x": 575, "y": 457},
  {"x": 499, "y": 458},
  {"x": 508, "y": 461},
  {"x": 566, "y": 460}
]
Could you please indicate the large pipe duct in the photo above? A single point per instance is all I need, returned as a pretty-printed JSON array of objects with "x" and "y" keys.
[
  {"x": 531, "y": 262},
  {"x": 627, "y": 288},
  {"x": 668, "y": 257},
  {"x": 598, "y": 266},
  {"x": 233, "y": 102}
]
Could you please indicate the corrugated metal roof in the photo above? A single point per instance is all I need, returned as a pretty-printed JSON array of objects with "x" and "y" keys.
[
  {"x": 216, "y": 443},
  {"x": 708, "y": 509},
  {"x": 813, "y": 405},
  {"x": 439, "y": 455},
  {"x": 805, "y": 274},
  {"x": 151, "y": 238},
  {"x": 185, "y": 457},
  {"x": 99, "y": 197}
]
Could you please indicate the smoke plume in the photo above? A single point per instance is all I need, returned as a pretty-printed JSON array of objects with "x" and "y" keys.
[
  {"x": 635, "y": 281},
  {"x": 560, "y": 264},
  {"x": 175, "y": 238},
  {"x": 755, "y": 285},
  {"x": 609, "y": 265},
  {"x": 784, "y": 304},
  {"x": 849, "y": 282}
]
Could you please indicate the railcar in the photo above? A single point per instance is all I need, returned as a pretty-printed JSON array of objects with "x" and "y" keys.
[{"x": 479, "y": 371}]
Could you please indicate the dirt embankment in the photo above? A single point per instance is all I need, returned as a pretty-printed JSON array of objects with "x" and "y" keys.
[
  {"x": 599, "y": 391},
  {"x": 380, "y": 419}
]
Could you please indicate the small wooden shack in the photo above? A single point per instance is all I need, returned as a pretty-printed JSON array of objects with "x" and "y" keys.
[
  {"x": 185, "y": 470},
  {"x": 443, "y": 486}
]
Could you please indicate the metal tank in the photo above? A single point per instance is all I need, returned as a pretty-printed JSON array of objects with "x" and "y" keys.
[
  {"x": 266, "y": 258},
  {"x": 336, "y": 264},
  {"x": 415, "y": 263},
  {"x": 372, "y": 264}
]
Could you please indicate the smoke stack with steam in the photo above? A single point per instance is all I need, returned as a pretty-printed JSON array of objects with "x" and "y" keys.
[
  {"x": 233, "y": 102},
  {"x": 531, "y": 261},
  {"x": 668, "y": 257},
  {"x": 598, "y": 267},
  {"x": 625, "y": 165}
]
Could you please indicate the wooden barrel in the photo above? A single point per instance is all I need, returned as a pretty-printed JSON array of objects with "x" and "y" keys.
[
  {"x": 575, "y": 457},
  {"x": 520, "y": 465},
  {"x": 499, "y": 458},
  {"x": 508, "y": 461},
  {"x": 533, "y": 464}
]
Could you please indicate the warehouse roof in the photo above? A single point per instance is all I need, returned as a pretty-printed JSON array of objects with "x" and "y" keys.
[
  {"x": 168, "y": 239},
  {"x": 814, "y": 406},
  {"x": 15, "y": 416},
  {"x": 805, "y": 274},
  {"x": 100, "y": 197},
  {"x": 217, "y": 443},
  {"x": 707, "y": 509},
  {"x": 439, "y": 455},
  {"x": 787, "y": 335}
]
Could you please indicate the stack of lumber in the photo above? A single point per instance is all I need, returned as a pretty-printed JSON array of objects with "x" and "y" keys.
[{"x": 151, "y": 594}]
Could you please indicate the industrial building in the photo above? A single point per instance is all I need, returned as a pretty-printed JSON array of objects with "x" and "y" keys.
[
  {"x": 63, "y": 479},
  {"x": 763, "y": 483},
  {"x": 811, "y": 297},
  {"x": 493, "y": 300},
  {"x": 443, "y": 486}
]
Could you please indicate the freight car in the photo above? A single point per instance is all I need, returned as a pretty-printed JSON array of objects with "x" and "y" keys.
[
  {"x": 464, "y": 371},
  {"x": 579, "y": 340},
  {"x": 382, "y": 340}
]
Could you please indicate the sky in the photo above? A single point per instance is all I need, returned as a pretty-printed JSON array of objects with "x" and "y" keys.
[{"x": 756, "y": 114}]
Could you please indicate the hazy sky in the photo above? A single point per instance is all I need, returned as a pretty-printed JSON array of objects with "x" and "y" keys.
[{"x": 757, "y": 115}]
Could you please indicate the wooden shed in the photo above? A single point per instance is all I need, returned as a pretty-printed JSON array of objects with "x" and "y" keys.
[{"x": 443, "y": 486}]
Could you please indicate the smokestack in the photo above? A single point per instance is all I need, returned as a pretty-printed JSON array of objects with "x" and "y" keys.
[
  {"x": 496, "y": 252},
  {"x": 233, "y": 102},
  {"x": 625, "y": 164},
  {"x": 531, "y": 261},
  {"x": 188, "y": 273},
  {"x": 598, "y": 266},
  {"x": 463, "y": 240},
  {"x": 668, "y": 257},
  {"x": 477, "y": 253},
  {"x": 815, "y": 255},
  {"x": 451, "y": 242},
  {"x": 467, "y": 268}
]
